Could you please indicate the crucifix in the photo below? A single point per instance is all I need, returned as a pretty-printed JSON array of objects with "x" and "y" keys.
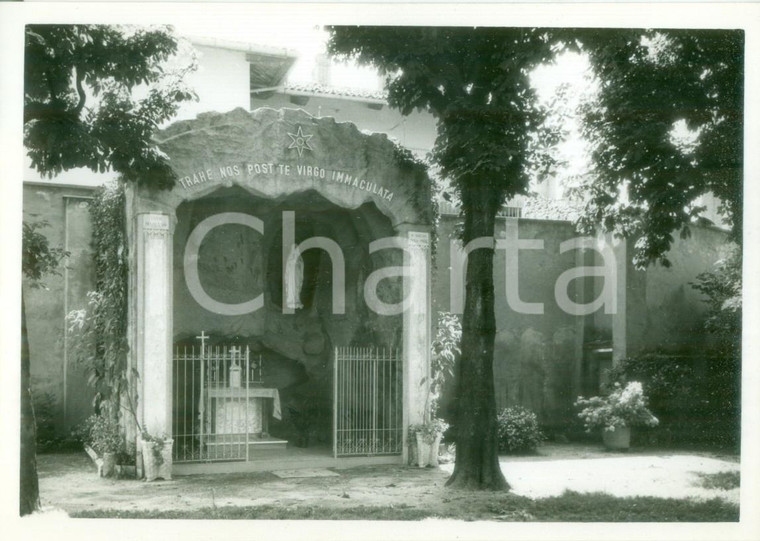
[
  {"x": 203, "y": 339},
  {"x": 234, "y": 352}
]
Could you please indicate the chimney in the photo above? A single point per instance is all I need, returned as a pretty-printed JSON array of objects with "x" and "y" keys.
[{"x": 322, "y": 70}]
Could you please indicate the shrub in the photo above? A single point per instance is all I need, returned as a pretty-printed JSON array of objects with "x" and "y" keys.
[
  {"x": 518, "y": 430},
  {"x": 623, "y": 407},
  {"x": 697, "y": 399},
  {"x": 722, "y": 289},
  {"x": 429, "y": 430},
  {"x": 444, "y": 352},
  {"x": 101, "y": 434},
  {"x": 45, "y": 420}
]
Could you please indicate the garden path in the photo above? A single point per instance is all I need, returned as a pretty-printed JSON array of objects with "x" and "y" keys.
[
  {"x": 69, "y": 482},
  {"x": 670, "y": 476}
]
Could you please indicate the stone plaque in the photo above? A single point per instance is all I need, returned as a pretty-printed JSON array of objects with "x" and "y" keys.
[
  {"x": 419, "y": 239},
  {"x": 158, "y": 222}
]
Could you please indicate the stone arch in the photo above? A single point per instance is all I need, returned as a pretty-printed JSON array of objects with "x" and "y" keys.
[
  {"x": 273, "y": 155},
  {"x": 260, "y": 152}
]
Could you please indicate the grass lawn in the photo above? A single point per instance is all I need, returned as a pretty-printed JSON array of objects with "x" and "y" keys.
[
  {"x": 722, "y": 480},
  {"x": 569, "y": 507}
]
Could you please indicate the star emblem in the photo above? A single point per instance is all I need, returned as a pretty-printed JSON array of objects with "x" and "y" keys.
[{"x": 300, "y": 141}]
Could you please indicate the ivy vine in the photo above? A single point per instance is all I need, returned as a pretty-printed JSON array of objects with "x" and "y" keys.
[
  {"x": 424, "y": 199},
  {"x": 99, "y": 332}
]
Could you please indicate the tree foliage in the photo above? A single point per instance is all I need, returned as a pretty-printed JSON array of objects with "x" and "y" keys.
[
  {"x": 475, "y": 81},
  {"x": 37, "y": 257},
  {"x": 666, "y": 128},
  {"x": 80, "y": 109},
  {"x": 722, "y": 289}
]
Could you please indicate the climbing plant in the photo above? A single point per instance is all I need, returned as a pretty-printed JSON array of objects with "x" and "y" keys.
[
  {"x": 100, "y": 330},
  {"x": 424, "y": 197}
]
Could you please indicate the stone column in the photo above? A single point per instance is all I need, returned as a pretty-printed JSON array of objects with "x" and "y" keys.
[
  {"x": 416, "y": 350},
  {"x": 154, "y": 322},
  {"x": 633, "y": 319},
  {"x": 620, "y": 316}
]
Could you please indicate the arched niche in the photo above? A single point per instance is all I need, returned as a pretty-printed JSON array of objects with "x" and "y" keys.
[{"x": 280, "y": 159}]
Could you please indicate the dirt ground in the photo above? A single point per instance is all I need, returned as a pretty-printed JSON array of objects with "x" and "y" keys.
[{"x": 69, "y": 482}]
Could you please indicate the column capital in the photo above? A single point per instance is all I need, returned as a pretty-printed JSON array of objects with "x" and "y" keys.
[{"x": 156, "y": 224}]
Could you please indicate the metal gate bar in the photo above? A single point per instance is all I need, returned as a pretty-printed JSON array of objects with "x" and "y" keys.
[
  {"x": 214, "y": 413},
  {"x": 367, "y": 408}
]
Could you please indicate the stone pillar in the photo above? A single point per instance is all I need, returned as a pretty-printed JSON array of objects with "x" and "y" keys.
[
  {"x": 620, "y": 316},
  {"x": 583, "y": 289},
  {"x": 416, "y": 349},
  {"x": 154, "y": 322},
  {"x": 636, "y": 310}
]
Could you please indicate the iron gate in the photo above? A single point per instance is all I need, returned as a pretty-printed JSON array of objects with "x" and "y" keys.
[
  {"x": 367, "y": 405},
  {"x": 220, "y": 407}
]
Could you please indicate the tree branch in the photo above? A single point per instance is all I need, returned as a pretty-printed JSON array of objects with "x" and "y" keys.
[{"x": 80, "y": 91}]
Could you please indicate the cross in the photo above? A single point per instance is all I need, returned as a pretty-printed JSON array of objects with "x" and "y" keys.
[
  {"x": 234, "y": 351},
  {"x": 203, "y": 339}
]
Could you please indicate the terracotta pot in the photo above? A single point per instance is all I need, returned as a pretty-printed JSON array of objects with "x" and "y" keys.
[{"x": 618, "y": 439}]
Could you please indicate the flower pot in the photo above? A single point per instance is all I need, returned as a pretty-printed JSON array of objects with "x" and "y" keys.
[
  {"x": 108, "y": 468},
  {"x": 433, "y": 458},
  {"x": 618, "y": 439},
  {"x": 157, "y": 463},
  {"x": 423, "y": 450},
  {"x": 427, "y": 453},
  {"x": 126, "y": 471}
]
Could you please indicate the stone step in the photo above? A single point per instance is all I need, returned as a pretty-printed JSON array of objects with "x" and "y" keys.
[{"x": 254, "y": 445}]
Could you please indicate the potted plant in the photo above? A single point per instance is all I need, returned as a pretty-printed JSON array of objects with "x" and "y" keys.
[
  {"x": 155, "y": 450},
  {"x": 428, "y": 436},
  {"x": 157, "y": 456},
  {"x": 444, "y": 350},
  {"x": 126, "y": 467},
  {"x": 616, "y": 413},
  {"x": 102, "y": 442}
]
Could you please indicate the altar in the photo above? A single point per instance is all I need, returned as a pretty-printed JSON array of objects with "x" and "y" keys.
[
  {"x": 222, "y": 404},
  {"x": 242, "y": 410}
]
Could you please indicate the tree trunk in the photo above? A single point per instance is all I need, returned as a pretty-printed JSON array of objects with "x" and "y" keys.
[
  {"x": 29, "y": 491},
  {"x": 477, "y": 459}
]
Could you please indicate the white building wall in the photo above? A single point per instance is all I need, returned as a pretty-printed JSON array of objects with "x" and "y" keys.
[
  {"x": 416, "y": 132},
  {"x": 711, "y": 212},
  {"x": 222, "y": 82}
]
